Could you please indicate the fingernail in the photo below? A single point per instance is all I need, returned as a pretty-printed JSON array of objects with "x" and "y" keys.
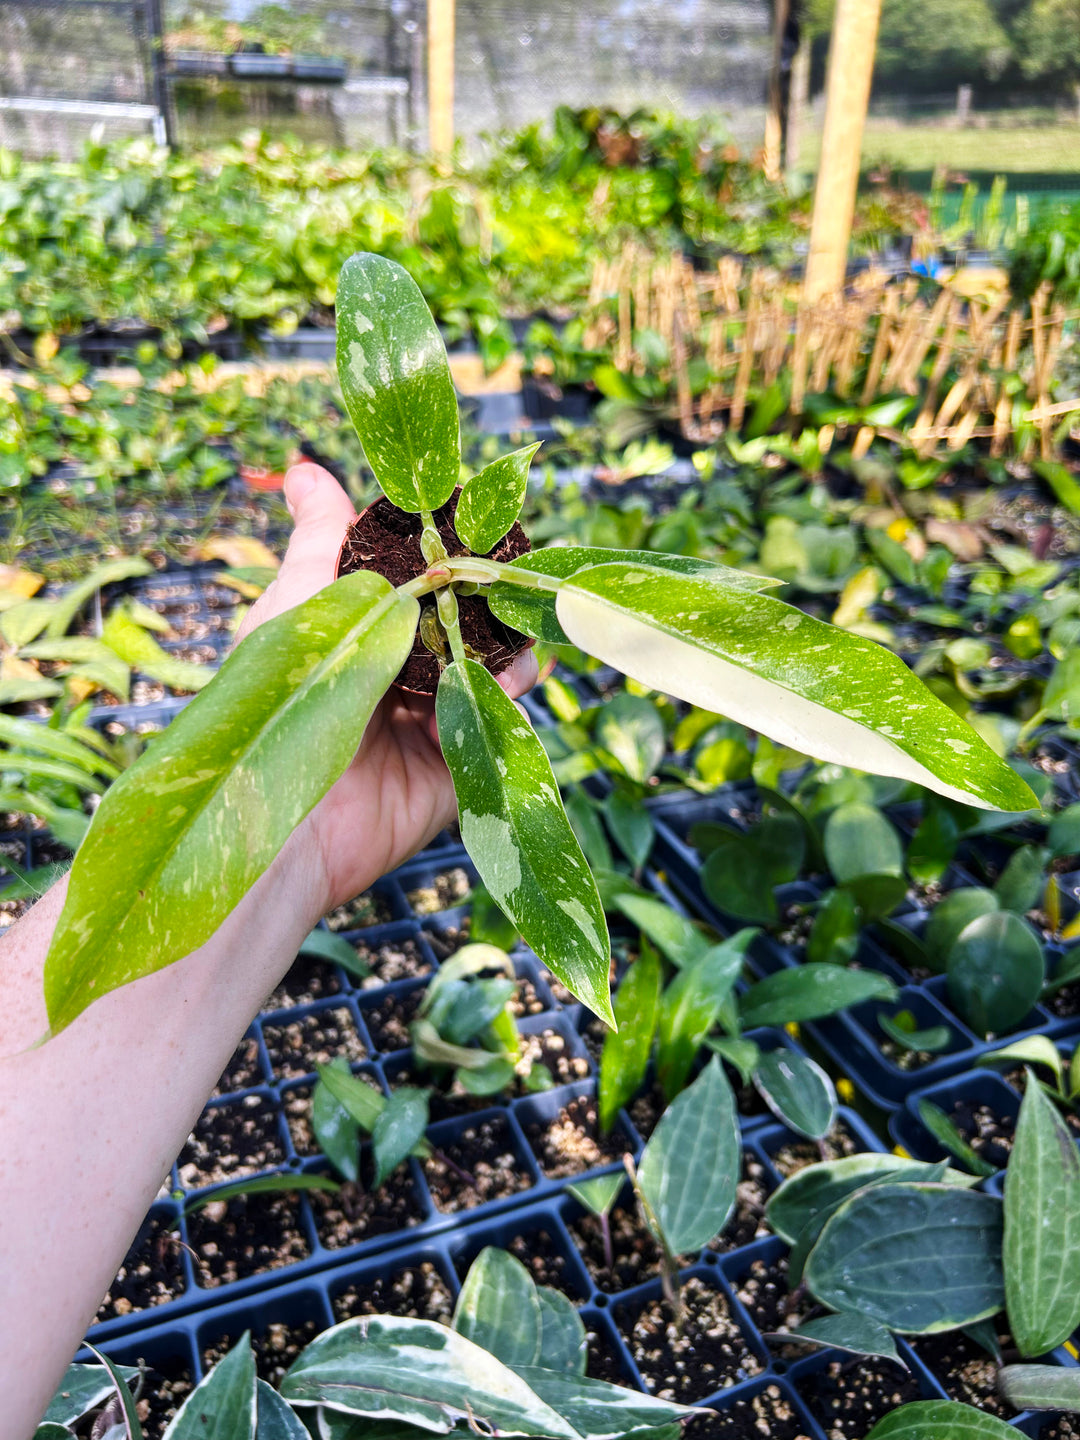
[{"x": 299, "y": 482}]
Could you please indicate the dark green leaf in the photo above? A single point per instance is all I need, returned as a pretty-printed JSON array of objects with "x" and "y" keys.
[
  {"x": 564, "y": 1346},
  {"x": 995, "y": 971},
  {"x": 952, "y": 914},
  {"x": 631, "y": 826},
  {"x": 491, "y": 501},
  {"x": 275, "y": 1420},
  {"x": 738, "y": 1052},
  {"x": 359, "y": 1100},
  {"x": 929, "y": 1041},
  {"x": 834, "y": 935},
  {"x": 691, "y": 1006},
  {"x": 743, "y": 870},
  {"x": 809, "y": 992},
  {"x": 1063, "y": 836},
  {"x": 933, "y": 845},
  {"x": 589, "y": 830},
  {"x": 625, "y": 1056},
  {"x": 948, "y": 1136},
  {"x": 499, "y": 1308},
  {"x": 325, "y": 945},
  {"x": 398, "y": 1130},
  {"x": 336, "y": 1131},
  {"x": 1020, "y": 885},
  {"x": 940, "y": 1420},
  {"x": 487, "y": 923},
  {"x": 224, "y": 1405},
  {"x": 814, "y": 1190},
  {"x": 797, "y": 1091},
  {"x": 856, "y": 1334},
  {"x": 281, "y": 1182},
  {"x": 1041, "y": 1387},
  {"x": 597, "y": 1410}
]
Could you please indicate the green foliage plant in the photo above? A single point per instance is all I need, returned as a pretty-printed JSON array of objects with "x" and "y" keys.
[{"x": 181, "y": 837}]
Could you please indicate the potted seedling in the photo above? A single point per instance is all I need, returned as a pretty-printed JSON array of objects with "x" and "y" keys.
[{"x": 464, "y": 595}]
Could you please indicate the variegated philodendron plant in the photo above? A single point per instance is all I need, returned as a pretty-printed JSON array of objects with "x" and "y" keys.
[{"x": 183, "y": 834}]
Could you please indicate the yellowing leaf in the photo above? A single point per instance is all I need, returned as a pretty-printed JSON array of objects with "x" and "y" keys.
[
  {"x": 858, "y": 594},
  {"x": 20, "y": 582},
  {"x": 240, "y": 551}
]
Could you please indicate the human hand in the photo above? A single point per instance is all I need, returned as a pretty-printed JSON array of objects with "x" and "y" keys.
[{"x": 396, "y": 795}]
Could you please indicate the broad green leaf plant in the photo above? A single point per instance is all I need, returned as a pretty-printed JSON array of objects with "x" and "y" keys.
[{"x": 180, "y": 838}]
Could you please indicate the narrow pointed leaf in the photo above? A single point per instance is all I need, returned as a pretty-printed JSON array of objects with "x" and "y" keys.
[
  {"x": 810, "y": 992},
  {"x": 24, "y": 622},
  {"x": 818, "y": 690},
  {"x": 491, "y": 500},
  {"x": 917, "y": 1258},
  {"x": 797, "y": 1091},
  {"x": 597, "y": 1410},
  {"x": 811, "y": 1191},
  {"x": 1041, "y": 1387},
  {"x": 854, "y": 1333},
  {"x": 396, "y": 383},
  {"x": 1042, "y": 1227},
  {"x": 224, "y": 1405},
  {"x": 336, "y": 1131},
  {"x": 598, "y": 1195},
  {"x": 280, "y": 1182},
  {"x": 419, "y": 1373},
  {"x": 84, "y": 1388},
  {"x": 940, "y": 1420},
  {"x": 39, "y": 767},
  {"x": 138, "y": 648},
  {"x": 632, "y": 827},
  {"x": 564, "y": 1345},
  {"x": 499, "y": 1309},
  {"x": 625, "y": 1056},
  {"x": 361, "y": 1101},
  {"x": 949, "y": 1138},
  {"x": 182, "y": 836},
  {"x": 690, "y": 1169},
  {"x": 677, "y": 938},
  {"x": 131, "y": 1427},
  {"x": 740, "y": 1053},
  {"x": 930, "y": 1040},
  {"x": 327, "y": 946},
  {"x": 29, "y": 735},
  {"x": 691, "y": 1006},
  {"x": 275, "y": 1420},
  {"x": 1032, "y": 1050},
  {"x": 398, "y": 1130},
  {"x": 515, "y": 828},
  {"x": 126, "y": 567}
]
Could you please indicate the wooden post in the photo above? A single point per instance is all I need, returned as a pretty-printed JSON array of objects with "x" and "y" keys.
[
  {"x": 441, "y": 76},
  {"x": 772, "y": 150},
  {"x": 798, "y": 106},
  {"x": 851, "y": 63}
]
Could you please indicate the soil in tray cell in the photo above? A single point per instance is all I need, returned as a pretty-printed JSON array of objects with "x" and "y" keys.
[
  {"x": 246, "y": 1235},
  {"x": 444, "y": 892},
  {"x": 371, "y": 908},
  {"x": 646, "y": 1110},
  {"x": 989, "y": 1134},
  {"x": 388, "y": 1022},
  {"x": 274, "y": 1349},
  {"x": 797, "y": 1154},
  {"x": 849, "y": 1397},
  {"x": 763, "y": 1292},
  {"x": 296, "y": 1046},
  {"x": 167, "y": 1386},
  {"x": 572, "y": 1143},
  {"x": 748, "y": 1222},
  {"x": 632, "y": 1247},
  {"x": 296, "y": 1103},
  {"x": 229, "y": 1141},
  {"x": 417, "y": 1292},
  {"x": 151, "y": 1273},
  {"x": 710, "y": 1354},
  {"x": 965, "y": 1369},
  {"x": 357, "y": 1213},
  {"x": 603, "y": 1361},
  {"x": 308, "y": 979},
  {"x": 1064, "y": 1427},
  {"x": 768, "y": 1415},
  {"x": 487, "y": 1168},
  {"x": 396, "y": 960},
  {"x": 243, "y": 1070}
]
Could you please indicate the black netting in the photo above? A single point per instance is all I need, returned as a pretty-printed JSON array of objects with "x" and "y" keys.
[{"x": 79, "y": 50}]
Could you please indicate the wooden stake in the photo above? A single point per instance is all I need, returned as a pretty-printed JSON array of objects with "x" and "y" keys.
[
  {"x": 773, "y": 148},
  {"x": 851, "y": 64},
  {"x": 441, "y": 17}
]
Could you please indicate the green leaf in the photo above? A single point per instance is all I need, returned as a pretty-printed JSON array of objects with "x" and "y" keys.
[
  {"x": 933, "y": 845},
  {"x": 49, "y": 1431},
  {"x": 396, "y": 383},
  {"x": 398, "y": 1130},
  {"x": 132, "y": 1425},
  {"x": 860, "y": 841},
  {"x": 281, "y": 1182},
  {"x": 819, "y": 690},
  {"x": 84, "y": 1388},
  {"x": 625, "y": 1056},
  {"x": 325, "y": 945},
  {"x": 631, "y": 729},
  {"x": 599, "y": 1194},
  {"x": 631, "y": 826},
  {"x": 1021, "y": 883},
  {"x": 929, "y": 1041},
  {"x": 949, "y": 1137},
  {"x": 491, "y": 501},
  {"x": 126, "y": 567},
  {"x": 744, "y": 869},
  {"x": 810, "y": 992},
  {"x": 1063, "y": 836},
  {"x": 856, "y": 1334},
  {"x": 224, "y": 1405},
  {"x": 29, "y": 735},
  {"x": 797, "y": 1091},
  {"x": 677, "y": 938},
  {"x": 138, "y": 648},
  {"x": 499, "y": 1308},
  {"x": 951, "y": 915},
  {"x": 25, "y": 621},
  {"x": 14, "y": 762},
  {"x": 515, "y": 828},
  {"x": 589, "y": 830},
  {"x": 564, "y": 1345},
  {"x": 917, "y": 1258},
  {"x": 995, "y": 972},
  {"x": 690, "y": 1169},
  {"x": 940, "y": 1420},
  {"x": 533, "y": 611},
  {"x": 1041, "y": 1248},
  {"x": 1032, "y": 1050},
  {"x": 188, "y": 829},
  {"x": 742, "y": 1054},
  {"x": 812, "y": 1191},
  {"x": 1041, "y": 1387},
  {"x": 363, "y": 1103},
  {"x": 834, "y": 935},
  {"x": 691, "y": 1006},
  {"x": 487, "y": 923},
  {"x": 19, "y": 691},
  {"x": 336, "y": 1131},
  {"x": 419, "y": 1373},
  {"x": 275, "y": 1420},
  {"x": 598, "y": 1410}
]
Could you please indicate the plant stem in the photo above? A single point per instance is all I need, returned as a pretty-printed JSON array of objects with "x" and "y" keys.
[
  {"x": 431, "y": 543},
  {"x": 605, "y": 1230},
  {"x": 475, "y": 570},
  {"x": 448, "y": 614}
]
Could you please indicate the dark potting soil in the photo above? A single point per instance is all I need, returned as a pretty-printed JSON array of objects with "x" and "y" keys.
[
  {"x": 417, "y": 1292},
  {"x": 764, "y": 1293},
  {"x": 246, "y": 1235},
  {"x": 230, "y": 1141},
  {"x": 1065, "y": 1427},
  {"x": 603, "y": 1362},
  {"x": 448, "y": 938},
  {"x": 748, "y": 1221},
  {"x": 296, "y": 1103},
  {"x": 387, "y": 540},
  {"x": 274, "y": 1348},
  {"x": 397, "y": 960},
  {"x": 1016, "y": 1079},
  {"x": 526, "y": 1001},
  {"x": 711, "y": 1353},
  {"x": 633, "y": 1249},
  {"x": 849, "y": 1397},
  {"x": 989, "y": 1134},
  {"x": 965, "y": 1369},
  {"x": 572, "y": 1141},
  {"x": 365, "y": 910},
  {"x": 445, "y": 891},
  {"x": 767, "y": 1414},
  {"x": 243, "y": 1070},
  {"x": 297, "y": 1047},
  {"x": 592, "y": 1032},
  {"x": 357, "y": 1212},
  {"x": 168, "y": 1384},
  {"x": 791, "y": 1158},
  {"x": 388, "y": 1022},
  {"x": 485, "y": 1152},
  {"x": 1063, "y": 1003},
  {"x": 308, "y": 979},
  {"x": 150, "y": 1275}
]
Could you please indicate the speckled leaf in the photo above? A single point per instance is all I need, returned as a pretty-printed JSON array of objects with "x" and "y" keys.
[
  {"x": 275, "y": 1420},
  {"x": 625, "y": 1056},
  {"x": 995, "y": 972},
  {"x": 810, "y": 992},
  {"x": 940, "y": 1420},
  {"x": 533, "y": 611},
  {"x": 690, "y": 1168},
  {"x": 499, "y": 1309},
  {"x": 128, "y": 1426},
  {"x": 1041, "y": 1387},
  {"x": 224, "y": 1404},
  {"x": 812, "y": 1191},
  {"x": 84, "y": 1388},
  {"x": 854, "y": 1333},
  {"x": 599, "y": 1411},
  {"x": 491, "y": 500},
  {"x": 182, "y": 836},
  {"x": 399, "y": 1129},
  {"x": 515, "y": 828},
  {"x": 564, "y": 1345},
  {"x": 396, "y": 383},
  {"x": 797, "y": 1091},
  {"x": 918, "y": 1258},
  {"x": 420, "y": 1373},
  {"x": 807, "y": 685},
  {"x": 1041, "y": 1250}
]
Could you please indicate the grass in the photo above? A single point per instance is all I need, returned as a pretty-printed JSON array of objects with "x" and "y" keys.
[{"x": 1013, "y": 150}]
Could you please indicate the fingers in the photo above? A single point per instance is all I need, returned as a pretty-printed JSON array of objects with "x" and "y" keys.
[
  {"x": 322, "y": 512},
  {"x": 520, "y": 675}
]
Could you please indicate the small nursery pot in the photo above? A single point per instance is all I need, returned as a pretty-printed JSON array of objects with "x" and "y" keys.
[
  {"x": 387, "y": 540},
  {"x": 256, "y": 477}
]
